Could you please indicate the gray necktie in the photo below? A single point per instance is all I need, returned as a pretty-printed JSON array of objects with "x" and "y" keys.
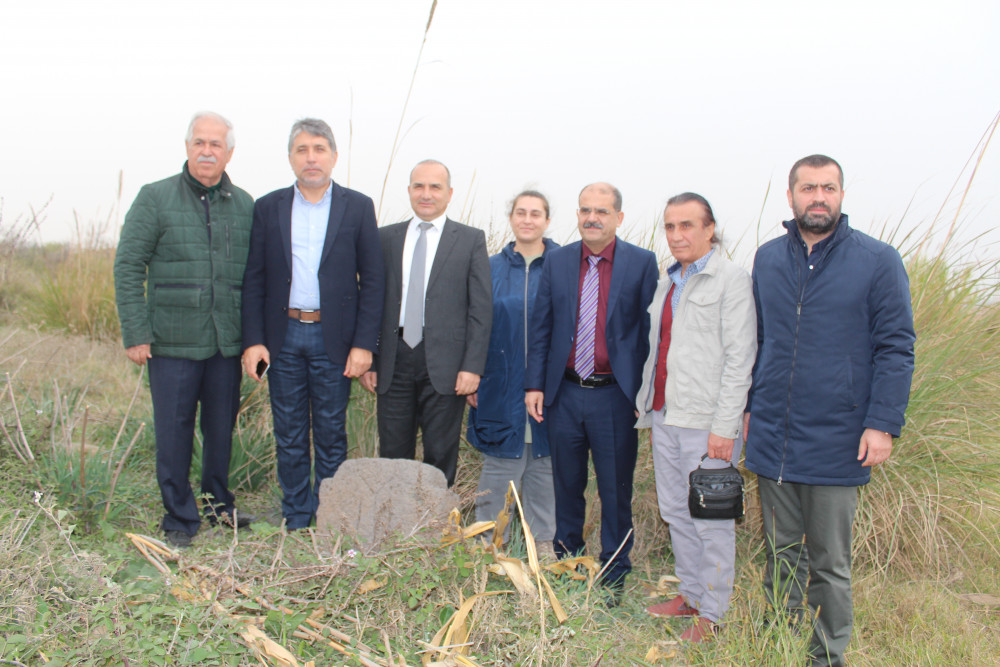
[{"x": 413, "y": 319}]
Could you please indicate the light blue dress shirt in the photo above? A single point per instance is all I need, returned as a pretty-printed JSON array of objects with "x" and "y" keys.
[
  {"x": 308, "y": 236},
  {"x": 681, "y": 280}
]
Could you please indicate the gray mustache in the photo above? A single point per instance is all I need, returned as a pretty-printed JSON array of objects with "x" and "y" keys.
[
  {"x": 593, "y": 225},
  {"x": 207, "y": 158}
]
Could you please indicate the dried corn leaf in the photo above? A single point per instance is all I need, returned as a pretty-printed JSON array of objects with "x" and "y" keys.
[
  {"x": 454, "y": 531},
  {"x": 661, "y": 652},
  {"x": 518, "y": 575},
  {"x": 454, "y": 631},
  {"x": 665, "y": 585},
  {"x": 529, "y": 539},
  {"x": 557, "y": 609},
  {"x": 266, "y": 647},
  {"x": 982, "y": 598},
  {"x": 503, "y": 520},
  {"x": 369, "y": 586},
  {"x": 570, "y": 566}
]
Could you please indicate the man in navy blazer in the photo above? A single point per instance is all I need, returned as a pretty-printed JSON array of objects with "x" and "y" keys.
[
  {"x": 312, "y": 304},
  {"x": 585, "y": 359}
]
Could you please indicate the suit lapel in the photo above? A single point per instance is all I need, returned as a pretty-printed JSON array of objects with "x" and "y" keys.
[
  {"x": 396, "y": 242},
  {"x": 338, "y": 204},
  {"x": 618, "y": 270},
  {"x": 449, "y": 236},
  {"x": 285, "y": 223},
  {"x": 571, "y": 287}
]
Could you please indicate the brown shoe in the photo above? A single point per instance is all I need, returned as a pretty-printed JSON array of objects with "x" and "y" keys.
[
  {"x": 678, "y": 606},
  {"x": 701, "y": 630}
]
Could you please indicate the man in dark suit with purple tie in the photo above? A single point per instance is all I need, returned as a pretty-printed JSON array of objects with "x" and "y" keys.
[{"x": 585, "y": 354}]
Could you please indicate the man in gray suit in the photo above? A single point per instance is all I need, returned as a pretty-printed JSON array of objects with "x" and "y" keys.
[{"x": 435, "y": 324}]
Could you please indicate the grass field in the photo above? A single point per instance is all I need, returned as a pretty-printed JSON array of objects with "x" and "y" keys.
[{"x": 77, "y": 460}]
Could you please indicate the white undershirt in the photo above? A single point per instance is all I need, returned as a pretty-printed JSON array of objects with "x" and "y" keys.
[{"x": 433, "y": 238}]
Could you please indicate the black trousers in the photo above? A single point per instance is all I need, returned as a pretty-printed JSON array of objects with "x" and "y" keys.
[
  {"x": 177, "y": 387},
  {"x": 411, "y": 403}
]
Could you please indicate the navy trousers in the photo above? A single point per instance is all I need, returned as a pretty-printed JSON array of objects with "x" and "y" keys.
[
  {"x": 307, "y": 390},
  {"x": 599, "y": 422},
  {"x": 177, "y": 387}
]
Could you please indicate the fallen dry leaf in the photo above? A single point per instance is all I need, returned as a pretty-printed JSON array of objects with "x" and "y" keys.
[
  {"x": 372, "y": 585},
  {"x": 982, "y": 598},
  {"x": 660, "y": 652}
]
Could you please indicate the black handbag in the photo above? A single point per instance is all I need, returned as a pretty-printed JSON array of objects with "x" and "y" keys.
[{"x": 715, "y": 493}]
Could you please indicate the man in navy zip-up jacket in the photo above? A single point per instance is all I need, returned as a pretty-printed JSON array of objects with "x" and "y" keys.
[{"x": 830, "y": 386}]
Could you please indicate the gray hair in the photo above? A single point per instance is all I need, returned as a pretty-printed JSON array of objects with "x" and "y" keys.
[
  {"x": 606, "y": 188},
  {"x": 447, "y": 171},
  {"x": 315, "y": 127},
  {"x": 230, "y": 136},
  {"x": 816, "y": 162},
  {"x": 687, "y": 197}
]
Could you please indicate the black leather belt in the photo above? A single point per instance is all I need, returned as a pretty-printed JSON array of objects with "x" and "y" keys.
[{"x": 592, "y": 382}]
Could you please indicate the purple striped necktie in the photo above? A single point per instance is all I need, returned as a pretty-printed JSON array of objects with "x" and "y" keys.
[{"x": 586, "y": 323}]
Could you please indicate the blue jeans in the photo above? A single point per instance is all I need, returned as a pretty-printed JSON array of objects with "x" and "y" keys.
[
  {"x": 307, "y": 389},
  {"x": 177, "y": 387}
]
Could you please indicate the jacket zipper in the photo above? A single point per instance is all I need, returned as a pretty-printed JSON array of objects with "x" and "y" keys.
[
  {"x": 208, "y": 228},
  {"x": 795, "y": 348},
  {"x": 527, "y": 271}
]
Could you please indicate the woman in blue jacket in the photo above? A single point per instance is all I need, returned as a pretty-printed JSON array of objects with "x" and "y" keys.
[{"x": 516, "y": 448}]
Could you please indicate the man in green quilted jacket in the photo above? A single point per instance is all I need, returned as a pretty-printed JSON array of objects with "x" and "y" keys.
[{"x": 178, "y": 283}]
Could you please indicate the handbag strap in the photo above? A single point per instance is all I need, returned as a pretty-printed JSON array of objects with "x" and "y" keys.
[{"x": 705, "y": 456}]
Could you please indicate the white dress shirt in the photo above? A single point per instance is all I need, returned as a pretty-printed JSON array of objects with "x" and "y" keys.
[{"x": 433, "y": 238}]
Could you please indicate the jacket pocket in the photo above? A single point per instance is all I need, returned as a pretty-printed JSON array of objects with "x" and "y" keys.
[
  {"x": 179, "y": 315},
  {"x": 229, "y": 319},
  {"x": 704, "y": 310},
  {"x": 851, "y": 395}
]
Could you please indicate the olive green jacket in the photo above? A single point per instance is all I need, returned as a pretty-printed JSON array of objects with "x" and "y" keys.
[{"x": 179, "y": 267}]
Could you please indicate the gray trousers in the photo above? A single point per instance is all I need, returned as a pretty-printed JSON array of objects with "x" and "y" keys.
[
  {"x": 704, "y": 549},
  {"x": 533, "y": 479},
  {"x": 817, "y": 567}
]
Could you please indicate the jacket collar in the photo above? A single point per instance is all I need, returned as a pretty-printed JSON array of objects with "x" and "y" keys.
[
  {"x": 517, "y": 259},
  {"x": 840, "y": 232},
  {"x": 224, "y": 186}
]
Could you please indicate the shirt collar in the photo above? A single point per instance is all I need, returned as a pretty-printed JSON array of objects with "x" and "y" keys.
[
  {"x": 608, "y": 254},
  {"x": 437, "y": 223},
  {"x": 696, "y": 267},
  {"x": 302, "y": 199}
]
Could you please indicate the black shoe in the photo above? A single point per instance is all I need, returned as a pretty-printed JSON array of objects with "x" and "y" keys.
[
  {"x": 178, "y": 538},
  {"x": 243, "y": 519}
]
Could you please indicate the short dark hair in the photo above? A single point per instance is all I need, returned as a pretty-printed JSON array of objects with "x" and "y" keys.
[
  {"x": 814, "y": 161},
  {"x": 529, "y": 193},
  {"x": 687, "y": 197},
  {"x": 315, "y": 127},
  {"x": 606, "y": 188}
]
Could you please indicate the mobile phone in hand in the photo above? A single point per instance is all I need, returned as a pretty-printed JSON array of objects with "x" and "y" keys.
[{"x": 262, "y": 368}]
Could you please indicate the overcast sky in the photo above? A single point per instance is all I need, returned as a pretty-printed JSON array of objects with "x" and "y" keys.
[{"x": 655, "y": 97}]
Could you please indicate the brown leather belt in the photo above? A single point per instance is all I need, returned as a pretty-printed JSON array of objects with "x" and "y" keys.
[
  {"x": 592, "y": 382},
  {"x": 303, "y": 315}
]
